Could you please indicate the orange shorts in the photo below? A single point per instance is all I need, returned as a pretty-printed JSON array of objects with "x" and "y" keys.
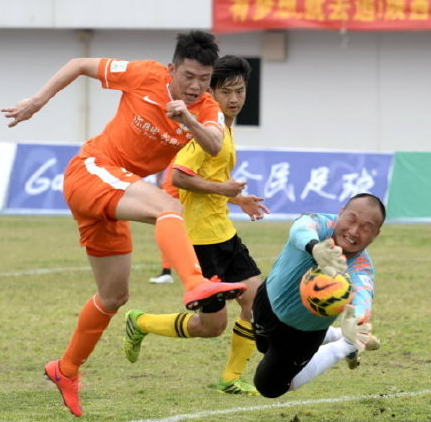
[{"x": 92, "y": 190}]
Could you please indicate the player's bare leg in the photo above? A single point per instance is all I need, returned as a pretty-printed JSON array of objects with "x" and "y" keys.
[
  {"x": 111, "y": 275},
  {"x": 147, "y": 203}
]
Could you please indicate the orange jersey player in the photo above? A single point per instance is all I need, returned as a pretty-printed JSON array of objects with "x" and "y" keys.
[
  {"x": 160, "y": 110},
  {"x": 140, "y": 137}
]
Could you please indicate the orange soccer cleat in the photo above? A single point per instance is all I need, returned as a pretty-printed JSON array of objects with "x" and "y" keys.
[
  {"x": 68, "y": 387},
  {"x": 210, "y": 290}
]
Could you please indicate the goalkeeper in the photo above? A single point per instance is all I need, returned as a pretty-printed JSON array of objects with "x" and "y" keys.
[{"x": 298, "y": 345}]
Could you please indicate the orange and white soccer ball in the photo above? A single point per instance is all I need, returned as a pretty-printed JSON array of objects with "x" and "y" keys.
[{"x": 323, "y": 295}]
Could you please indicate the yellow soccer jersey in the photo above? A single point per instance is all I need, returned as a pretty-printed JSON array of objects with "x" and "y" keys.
[{"x": 207, "y": 214}]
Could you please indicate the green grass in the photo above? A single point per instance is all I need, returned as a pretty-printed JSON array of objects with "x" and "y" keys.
[{"x": 38, "y": 312}]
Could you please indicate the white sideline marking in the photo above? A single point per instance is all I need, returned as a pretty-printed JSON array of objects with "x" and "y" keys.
[
  {"x": 37, "y": 271},
  {"x": 203, "y": 414}
]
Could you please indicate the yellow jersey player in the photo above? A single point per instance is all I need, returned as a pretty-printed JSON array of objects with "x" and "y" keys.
[{"x": 205, "y": 189}]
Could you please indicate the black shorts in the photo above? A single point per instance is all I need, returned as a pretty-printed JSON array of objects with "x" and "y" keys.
[
  {"x": 230, "y": 261},
  {"x": 286, "y": 349}
]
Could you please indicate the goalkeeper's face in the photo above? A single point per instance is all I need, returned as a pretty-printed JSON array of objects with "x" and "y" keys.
[{"x": 357, "y": 226}]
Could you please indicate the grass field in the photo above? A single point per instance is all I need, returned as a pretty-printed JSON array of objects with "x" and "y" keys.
[{"x": 45, "y": 280}]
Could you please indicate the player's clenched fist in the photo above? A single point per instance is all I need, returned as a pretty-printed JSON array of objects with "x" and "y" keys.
[
  {"x": 231, "y": 188},
  {"x": 176, "y": 110}
]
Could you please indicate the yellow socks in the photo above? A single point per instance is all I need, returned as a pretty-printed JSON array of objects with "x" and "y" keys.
[
  {"x": 242, "y": 347},
  {"x": 167, "y": 325}
]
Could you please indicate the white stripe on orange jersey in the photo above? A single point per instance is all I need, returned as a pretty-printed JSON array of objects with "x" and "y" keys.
[
  {"x": 104, "y": 175},
  {"x": 108, "y": 63}
]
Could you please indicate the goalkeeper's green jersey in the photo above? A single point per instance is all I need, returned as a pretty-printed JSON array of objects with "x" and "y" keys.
[{"x": 292, "y": 263}]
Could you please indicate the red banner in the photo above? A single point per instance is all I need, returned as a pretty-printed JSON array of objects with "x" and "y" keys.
[{"x": 253, "y": 15}]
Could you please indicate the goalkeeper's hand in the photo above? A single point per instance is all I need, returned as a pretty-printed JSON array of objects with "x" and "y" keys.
[
  {"x": 356, "y": 333},
  {"x": 329, "y": 258}
]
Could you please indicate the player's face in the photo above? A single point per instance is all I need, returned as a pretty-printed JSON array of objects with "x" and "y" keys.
[
  {"x": 357, "y": 226},
  {"x": 190, "y": 80},
  {"x": 231, "y": 98}
]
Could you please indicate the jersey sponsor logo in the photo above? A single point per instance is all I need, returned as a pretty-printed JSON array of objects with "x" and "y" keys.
[
  {"x": 183, "y": 127},
  {"x": 149, "y": 100},
  {"x": 144, "y": 127}
]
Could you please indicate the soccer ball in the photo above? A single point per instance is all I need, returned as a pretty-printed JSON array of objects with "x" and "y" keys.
[{"x": 323, "y": 295}]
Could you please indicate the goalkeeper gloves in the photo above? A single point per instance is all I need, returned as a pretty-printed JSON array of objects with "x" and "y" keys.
[
  {"x": 329, "y": 258},
  {"x": 356, "y": 334}
]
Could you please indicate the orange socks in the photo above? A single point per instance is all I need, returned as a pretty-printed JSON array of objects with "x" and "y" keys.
[
  {"x": 171, "y": 236},
  {"x": 92, "y": 322},
  {"x": 165, "y": 262}
]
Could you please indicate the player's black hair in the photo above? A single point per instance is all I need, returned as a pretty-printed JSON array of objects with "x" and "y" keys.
[
  {"x": 373, "y": 199},
  {"x": 196, "y": 45},
  {"x": 229, "y": 68}
]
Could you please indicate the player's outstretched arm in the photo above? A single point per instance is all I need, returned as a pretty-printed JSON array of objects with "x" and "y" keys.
[
  {"x": 25, "y": 109},
  {"x": 251, "y": 205},
  {"x": 196, "y": 183}
]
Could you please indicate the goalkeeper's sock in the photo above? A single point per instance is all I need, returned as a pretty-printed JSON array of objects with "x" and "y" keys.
[
  {"x": 242, "y": 347},
  {"x": 333, "y": 334},
  {"x": 326, "y": 357},
  {"x": 167, "y": 325},
  {"x": 171, "y": 236},
  {"x": 92, "y": 322}
]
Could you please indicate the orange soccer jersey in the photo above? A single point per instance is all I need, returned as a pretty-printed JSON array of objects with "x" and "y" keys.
[{"x": 140, "y": 140}]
